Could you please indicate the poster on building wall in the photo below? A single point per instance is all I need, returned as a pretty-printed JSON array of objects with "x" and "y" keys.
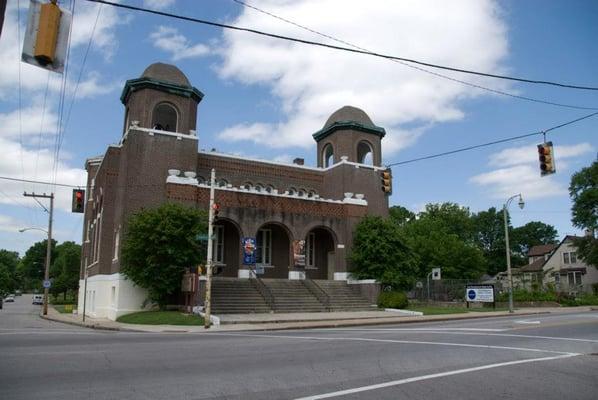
[
  {"x": 299, "y": 253},
  {"x": 248, "y": 244}
]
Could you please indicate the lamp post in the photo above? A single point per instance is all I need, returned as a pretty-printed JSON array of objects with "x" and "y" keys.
[
  {"x": 47, "y": 267},
  {"x": 509, "y": 275}
]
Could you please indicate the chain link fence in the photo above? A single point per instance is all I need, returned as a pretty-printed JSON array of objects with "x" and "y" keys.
[{"x": 444, "y": 290}]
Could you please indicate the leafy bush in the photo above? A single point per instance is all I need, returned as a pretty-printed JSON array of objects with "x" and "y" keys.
[
  {"x": 392, "y": 300},
  {"x": 524, "y": 295}
]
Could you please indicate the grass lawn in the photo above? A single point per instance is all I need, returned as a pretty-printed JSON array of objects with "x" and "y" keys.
[
  {"x": 60, "y": 308},
  {"x": 451, "y": 310},
  {"x": 161, "y": 318}
]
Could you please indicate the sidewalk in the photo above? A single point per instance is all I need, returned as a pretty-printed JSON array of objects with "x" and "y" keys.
[{"x": 265, "y": 322}]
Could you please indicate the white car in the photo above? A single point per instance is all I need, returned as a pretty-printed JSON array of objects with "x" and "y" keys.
[
  {"x": 38, "y": 299},
  {"x": 10, "y": 298}
]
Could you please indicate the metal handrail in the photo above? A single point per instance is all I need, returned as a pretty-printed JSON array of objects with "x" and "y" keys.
[
  {"x": 317, "y": 291},
  {"x": 263, "y": 289}
]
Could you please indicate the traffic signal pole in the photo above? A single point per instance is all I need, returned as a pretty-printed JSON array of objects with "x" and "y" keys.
[
  {"x": 209, "y": 267},
  {"x": 49, "y": 245}
]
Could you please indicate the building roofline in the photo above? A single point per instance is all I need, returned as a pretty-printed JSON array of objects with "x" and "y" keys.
[
  {"x": 133, "y": 85},
  {"x": 358, "y": 126}
]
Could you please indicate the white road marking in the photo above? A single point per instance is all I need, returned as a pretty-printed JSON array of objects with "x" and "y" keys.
[
  {"x": 464, "y": 333},
  {"x": 431, "y": 376},
  {"x": 524, "y": 321},
  {"x": 479, "y": 346}
]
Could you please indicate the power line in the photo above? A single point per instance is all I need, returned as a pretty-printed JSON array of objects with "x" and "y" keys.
[
  {"x": 330, "y": 46},
  {"x": 462, "y": 149},
  {"x": 496, "y": 91},
  {"x": 389, "y": 165}
]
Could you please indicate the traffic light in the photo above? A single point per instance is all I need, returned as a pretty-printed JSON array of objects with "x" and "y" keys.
[
  {"x": 47, "y": 34},
  {"x": 78, "y": 201},
  {"x": 216, "y": 211},
  {"x": 546, "y": 157},
  {"x": 386, "y": 180}
]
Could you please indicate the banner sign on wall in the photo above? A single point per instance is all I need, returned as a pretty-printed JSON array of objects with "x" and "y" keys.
[
  {"x": 479, "y": 293},
  {"x": 299, "y": 253},
  {"x": 248, "y": 251}
]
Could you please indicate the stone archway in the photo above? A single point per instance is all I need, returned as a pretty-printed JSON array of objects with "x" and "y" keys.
[
  {"x": 320, "y": 244},
  {"x": 227, "y": 247},
  {"x": 273, "y": 250}
]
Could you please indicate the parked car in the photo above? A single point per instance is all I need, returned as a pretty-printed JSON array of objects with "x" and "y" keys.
[
  {"x": 38, "y": 299},
  {"x": 18, "y": 293},
  {"x": 10, "y": 298},
  {"x": 1, "y": 301}
]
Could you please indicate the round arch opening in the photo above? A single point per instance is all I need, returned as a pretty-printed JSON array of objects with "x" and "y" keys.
[
  {"x": 165, "y": 117},
  {"x": 365, "y": 153}
]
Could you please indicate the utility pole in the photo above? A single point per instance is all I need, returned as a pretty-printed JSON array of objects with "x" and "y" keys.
[
  {"x": 49, "y": 244},
  {"x": 208, "y": 300}
]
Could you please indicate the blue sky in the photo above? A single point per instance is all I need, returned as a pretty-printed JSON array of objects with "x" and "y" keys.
[{"x": 264, "y": 98}]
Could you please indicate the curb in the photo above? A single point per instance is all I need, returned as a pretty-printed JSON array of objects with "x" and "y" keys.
[{"x": 91, "y": 326}]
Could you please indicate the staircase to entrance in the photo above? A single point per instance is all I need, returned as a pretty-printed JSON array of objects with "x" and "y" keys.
[{"x": 242, "y": 296}]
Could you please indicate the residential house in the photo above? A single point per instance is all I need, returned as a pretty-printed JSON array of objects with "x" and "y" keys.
[{"x": 566, "y": 271}]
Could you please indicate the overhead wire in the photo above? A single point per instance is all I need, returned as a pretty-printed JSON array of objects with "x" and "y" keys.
[
  {"x": 512, "y": 138},
  {"x": 477, "y": 146},
  {"x": 352, "y": 50},
  {"x": 74, "y": 96},
  {"x": 406, "y": 64}
]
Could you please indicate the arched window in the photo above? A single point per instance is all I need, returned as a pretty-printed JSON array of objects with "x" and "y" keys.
[
  {"x": 222, "y": 182},
  {"x": 247, "y": 186},
  {"x": 301, "y": 192},
  {"x": 269, "y": 189},
  {"x": 327, "y": 156},
  {"x": 258, "y": 187},
  {"x": 292, "y": 191},
  {"x": 311, "y": 193},
  {"x": 365, "y": 155},
  {"x": 201, "y": 179},
  {"x": 164, "y": 117}
]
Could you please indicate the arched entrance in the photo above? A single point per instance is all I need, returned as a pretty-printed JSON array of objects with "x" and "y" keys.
[
  {"x": 273, "y": 248},
  {"x": 319, "y": 254},
  {"x": 226, "y": 247}
]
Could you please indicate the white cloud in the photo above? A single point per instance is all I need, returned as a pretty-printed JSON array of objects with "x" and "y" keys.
[
  {"x": 312, "y": 82},
  {"x": 520, "y": 172},
  {"x": 18, "y": 162},
  {"x": 171, "y": 41},
  {"x": 10, "y": 224},
  {"x": 158, "y": 4},
  {"x": 34, "y": 79},
  {"x": 34, "y": 121}
]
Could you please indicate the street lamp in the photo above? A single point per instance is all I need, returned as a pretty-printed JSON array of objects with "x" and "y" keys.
[
  {"x": 509, "y": 276},
  {"x": 48, "y": 255}
]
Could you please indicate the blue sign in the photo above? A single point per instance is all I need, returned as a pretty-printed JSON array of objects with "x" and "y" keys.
[
  {"x": 47, "y": 284},
  {"x": 471, "y": 294},
  {"x": 248, "y": 244}
]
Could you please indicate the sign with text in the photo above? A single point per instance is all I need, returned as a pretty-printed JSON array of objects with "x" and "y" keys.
[
  {"x": 248, "y": 244},
  {"x": 479, "y": 293}
]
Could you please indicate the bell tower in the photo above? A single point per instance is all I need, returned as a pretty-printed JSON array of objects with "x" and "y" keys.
[
  {"x": 163, "y": 99},
  {"x": 349, "y": 132}
]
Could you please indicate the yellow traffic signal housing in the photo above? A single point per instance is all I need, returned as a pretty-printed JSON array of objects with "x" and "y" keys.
[
  {"x": 47, "y": 34},
  {"x": 546, "y": 157},
  {"x": 78, "y": 203},
  {"x": 386, "y": 180}
]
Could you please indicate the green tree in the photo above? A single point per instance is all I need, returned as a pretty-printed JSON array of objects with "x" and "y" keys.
[
  {"x": 32, "y": 265},
  {"x": 450, "y": 218},
  {"x": 9, "y": 260},
  {"x": 532, "y": 234},
  {"x": 400, "y": 215},
  {"x": 436, "y": 246},
  {"x": 490, "y": 238},
  {"x": 380, "y": 252},
  {"x": 159, "y": 244},
  {"x": 65, "y": 268},
  {"x": 5, "y": 281},
  {"x": 583, "y": 190}
]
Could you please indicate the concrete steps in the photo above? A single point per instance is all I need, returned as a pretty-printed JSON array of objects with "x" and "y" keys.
[{"x": 241, "y": 296}]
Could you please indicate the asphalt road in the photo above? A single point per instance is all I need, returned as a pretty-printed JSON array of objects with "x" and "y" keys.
[{"x": 534, "y": 357}]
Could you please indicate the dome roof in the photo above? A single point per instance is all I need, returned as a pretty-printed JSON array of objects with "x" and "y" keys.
[
  {"x": 349, "y": 114},
  {"x": 166, "y": 73}
]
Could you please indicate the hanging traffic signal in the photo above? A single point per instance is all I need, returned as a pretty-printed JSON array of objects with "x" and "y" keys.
[
  {"x": 216, "y": 211},
  {"x": 546, "y": 157},
  {"x": 47, "y": 34},
  {"x": 386, "y": 180},
  {"x": 78, "y": 201}
]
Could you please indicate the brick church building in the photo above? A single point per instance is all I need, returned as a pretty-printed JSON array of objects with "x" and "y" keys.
[{"x": 157, "y": 161}]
